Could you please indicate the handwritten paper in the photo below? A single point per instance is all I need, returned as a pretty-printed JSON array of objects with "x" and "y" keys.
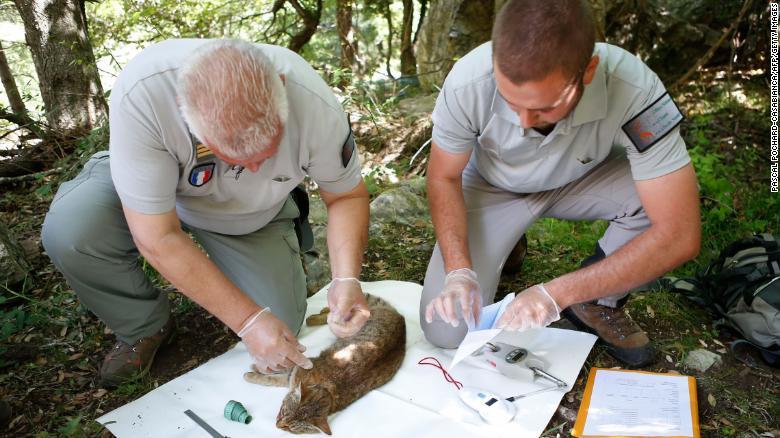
[{"x": 639, "y": 404}]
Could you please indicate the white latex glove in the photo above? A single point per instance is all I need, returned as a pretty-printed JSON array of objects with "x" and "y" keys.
[
  {"x": 348, "y": 307},
  {"x": 461, "y": 290},
  {"x": 271, "y": 344},
  {"x": 531, "y": 308}
]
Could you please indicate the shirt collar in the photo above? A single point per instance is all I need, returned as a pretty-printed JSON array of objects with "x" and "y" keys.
[{"x": 593, "y": 104}]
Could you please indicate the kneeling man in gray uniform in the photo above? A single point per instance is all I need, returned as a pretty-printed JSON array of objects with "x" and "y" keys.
[
  {"x": 211, "y": 138},
  {"x": 543, "y": 122}
]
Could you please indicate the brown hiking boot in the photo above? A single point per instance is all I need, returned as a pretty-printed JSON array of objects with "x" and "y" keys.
[
  {"x": 125, "y": 362},
  {"x": 626, "y": 341},
  {"x": 515, "y": 259}
]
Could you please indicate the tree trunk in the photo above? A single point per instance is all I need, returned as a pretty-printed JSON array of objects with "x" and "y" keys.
[
  {"x": 420, "y": 20},
  {"x": 408, "y": 62},
  {"x": 13, "y": 266},
  {"x": 450, "y": 30},
  {"x": 9, "y": 84},
  {"x": 56, "y": 32},
  {"x": 390, "y": 32},
  {"x": 346, "y": 37},
  {"x": 311, "y": 19},
  {"x": 18, "y": 114}
]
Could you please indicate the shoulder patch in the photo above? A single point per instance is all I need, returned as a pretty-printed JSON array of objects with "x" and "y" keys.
[
  {"x": 348, "y": 149},
  {"x": 202, "y": 152},
  {"x": 201, "y": 174},
  {"x": 653, "y": 123}
]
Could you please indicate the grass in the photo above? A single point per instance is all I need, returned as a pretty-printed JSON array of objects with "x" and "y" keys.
[{"x": 51, "y": 346}]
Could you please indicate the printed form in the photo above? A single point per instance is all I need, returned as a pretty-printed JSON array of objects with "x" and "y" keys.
[{"x": 638, "y": 404}]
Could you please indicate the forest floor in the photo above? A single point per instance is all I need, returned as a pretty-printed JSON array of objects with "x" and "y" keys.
[{"x": 51, "y": 347}]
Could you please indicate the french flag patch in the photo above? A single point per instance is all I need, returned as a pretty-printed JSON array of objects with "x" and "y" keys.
[{"x": 201, "y": 174}]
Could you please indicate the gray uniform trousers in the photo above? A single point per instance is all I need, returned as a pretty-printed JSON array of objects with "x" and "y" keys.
[
  {"x": 496, "y": 220},
  {"x": 86, "y": 236}
]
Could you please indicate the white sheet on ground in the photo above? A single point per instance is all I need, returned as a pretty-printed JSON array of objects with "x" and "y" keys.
[{"x": 417, "y": 402}]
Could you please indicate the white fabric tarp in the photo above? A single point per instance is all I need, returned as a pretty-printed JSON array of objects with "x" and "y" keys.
[{"x": 416, "y": 402}]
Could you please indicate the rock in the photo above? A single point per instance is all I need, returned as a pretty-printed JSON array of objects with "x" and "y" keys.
[
  {"x": 402, "y": 204},
  {"x": 701, "y": 360},
  {"x": 316, "y": 262},
  {"x": 567, "y": 414},
  {"x": 417, "y": 106}
]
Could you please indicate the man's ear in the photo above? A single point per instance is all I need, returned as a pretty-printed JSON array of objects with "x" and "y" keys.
[
  {"x": 281, "y": 76},
  {"x": 590, "y": 70}
]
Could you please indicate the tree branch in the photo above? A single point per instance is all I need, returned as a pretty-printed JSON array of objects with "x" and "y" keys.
[
  {"x": 711, "y": 51},
  {"x": 28, "y": 177},
  {"x": 23, "y": 121}
]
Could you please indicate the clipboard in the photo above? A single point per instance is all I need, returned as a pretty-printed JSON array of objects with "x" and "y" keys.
[{"x": 604, "y": 393}]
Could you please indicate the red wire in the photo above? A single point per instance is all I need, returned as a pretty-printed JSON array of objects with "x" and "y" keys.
[{"x": 447, "y": 376}]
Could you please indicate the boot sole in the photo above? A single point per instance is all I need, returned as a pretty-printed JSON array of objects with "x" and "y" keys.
[{"x": 635, "y": 357}]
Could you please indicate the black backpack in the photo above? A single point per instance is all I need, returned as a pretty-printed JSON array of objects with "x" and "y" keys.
[{"x": 743, "y": 286}]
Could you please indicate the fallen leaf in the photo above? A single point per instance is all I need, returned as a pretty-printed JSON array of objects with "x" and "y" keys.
[
  {"x": 669, "y": 359},
  {"x": 650, "y": 311},
  {"x": 703, "y": 344},
  {"x": 718, "y": 342},
  {"x": 722, "y": 350},
  {"x": 711, "y": 400},
  {"x": 64, "y": 331},
  {"x": 100, "y": 393},
  {"x": 76, "y": 356}
]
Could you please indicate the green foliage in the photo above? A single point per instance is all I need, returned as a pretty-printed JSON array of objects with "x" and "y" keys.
[
  {"x": 97, "y": 140},
  {"x": 732, "y": 172},
  {"x": 23, "y": 315}
]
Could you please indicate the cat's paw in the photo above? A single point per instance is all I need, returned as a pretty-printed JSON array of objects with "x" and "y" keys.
[{"x": 318, "y": 318}]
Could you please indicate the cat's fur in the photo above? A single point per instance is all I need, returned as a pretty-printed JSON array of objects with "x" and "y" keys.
[{"x": 342, "y": 373}]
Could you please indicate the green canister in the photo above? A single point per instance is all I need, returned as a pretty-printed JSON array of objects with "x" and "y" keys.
[{"x": 235, "y": 411}]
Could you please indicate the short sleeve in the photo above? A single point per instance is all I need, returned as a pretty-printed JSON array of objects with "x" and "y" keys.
[
  {"x": 334, "y": 163},
  {"x": 453, "y": 131},
  {"x": 145, "y": 174},
  {"x": 663, "y": 156}
]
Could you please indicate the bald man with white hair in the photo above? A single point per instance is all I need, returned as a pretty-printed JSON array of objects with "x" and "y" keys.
[{"x": 211, "y": 139}]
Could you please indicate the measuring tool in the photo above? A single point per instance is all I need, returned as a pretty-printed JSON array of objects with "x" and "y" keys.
[{"x": 200, "y": 422}]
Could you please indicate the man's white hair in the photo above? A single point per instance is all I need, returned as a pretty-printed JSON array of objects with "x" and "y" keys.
[{"x": 230, "y": 94}]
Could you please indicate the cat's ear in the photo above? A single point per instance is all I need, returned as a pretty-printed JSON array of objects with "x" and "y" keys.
[
  {"x": 297, "y": 390},
  {"x": 322, "y": 424},
  {"x": 295, "y": 380}
]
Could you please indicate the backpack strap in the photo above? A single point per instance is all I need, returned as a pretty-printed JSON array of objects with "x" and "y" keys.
[
  {"x": 771, "y": 356},
  {"x": 692, "y": 288}
]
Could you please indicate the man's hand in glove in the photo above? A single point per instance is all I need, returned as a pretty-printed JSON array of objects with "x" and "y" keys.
[
  {"x": 271, "y": 344},
  {"x": 531, "y": 308},
  {"x": 461, "y": 291},
  {"x": 348, "y": 307}
]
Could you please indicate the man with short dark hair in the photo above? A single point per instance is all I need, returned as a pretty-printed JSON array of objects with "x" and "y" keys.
[{"x": 543, "y": 122}]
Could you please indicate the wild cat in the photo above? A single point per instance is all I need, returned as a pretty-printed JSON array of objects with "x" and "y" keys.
[{"x": 342, "y": 373}]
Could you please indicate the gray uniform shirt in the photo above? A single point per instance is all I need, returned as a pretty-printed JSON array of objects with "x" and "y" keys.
[
  {"x": 156, "y": 165},
  {"x": 470, "y": 114}
]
